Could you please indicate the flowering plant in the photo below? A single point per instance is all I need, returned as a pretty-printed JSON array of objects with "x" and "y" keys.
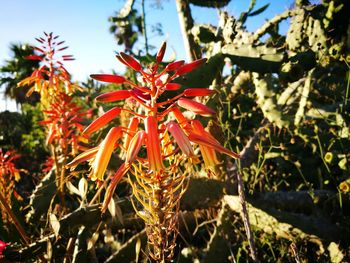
[
  {"x": 155, "y": 147},
  {"x": 47, "y": 80},
  {"x": 9, "y": 174}
]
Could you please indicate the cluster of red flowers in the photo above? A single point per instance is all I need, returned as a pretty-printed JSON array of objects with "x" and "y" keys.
[
  {"x": 155, "y": 135},
  {"x": 63, "y": 119},
  {"x": 9, "y": 174}
]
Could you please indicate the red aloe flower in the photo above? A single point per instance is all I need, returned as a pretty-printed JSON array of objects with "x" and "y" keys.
[
  {"x": 51, "y": 77},
  {"x": 9, "y": 174},
  {"x": 63, "y": 119},
  {"x": 183, "y": 132},
  {"x": 153, "y": 147}
]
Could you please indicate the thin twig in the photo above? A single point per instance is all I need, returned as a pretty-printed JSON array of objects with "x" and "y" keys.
[
  {"x": 248, "y": 156},
  {"x": 246, "y": 218},
  {"x": 144, "y": 31}
]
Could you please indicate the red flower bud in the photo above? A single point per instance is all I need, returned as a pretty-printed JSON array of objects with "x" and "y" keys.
[
  {"x": 190, "y": 66},
  {"x": 114, "y": 96},
  {"x": 102, "y": 120},
  {"x": 195, "y": 107},
  {"x": 130, "y": 61},
  {"x": 174, "y": 65},
  {"x": 194, "y": 92},
  {"x": 161, "y": 52},
  {"x": 172, "y": 86},
  {"x": 109, "y": 78}
]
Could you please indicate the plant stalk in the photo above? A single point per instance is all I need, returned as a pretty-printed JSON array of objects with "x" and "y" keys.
[
  {"x": 17, "y": 224},
  {"x": 246, "y": 218}
]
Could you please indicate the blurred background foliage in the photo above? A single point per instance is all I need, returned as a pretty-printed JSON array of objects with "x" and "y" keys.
[{"x": 282, "y": 101}]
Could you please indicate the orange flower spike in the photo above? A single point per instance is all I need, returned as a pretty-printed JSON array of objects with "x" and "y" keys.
[
  {"x": 153, "y": 144},
  {"x": 135, "y": 146},
  {"x": 109, "y": 78},
  {"x": 114, "y": 96},
  {"x": 102, "y": 120},
  {"x": 134, "y": 123},
  {"x": 181, "y": 138},
  {"x": 104, "y": 153},
  {"x": 198, "y": 92},
  {"x": 122, "y": 170},
  {"x": 195, "y": 107}
]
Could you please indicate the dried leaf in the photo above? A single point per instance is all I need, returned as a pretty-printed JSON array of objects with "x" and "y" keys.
[
  {"x": 83, "y": 186},
  {"x": 55, "y": 224},
  {"x": 72, "y": 188}
]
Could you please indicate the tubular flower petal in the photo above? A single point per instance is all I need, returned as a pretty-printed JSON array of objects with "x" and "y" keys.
[
  {"x": 134, "y": 123},
  {"x": 140, "y": 94},
  {"x": 181, "y": 119},
  {"x": 85, "y": 156},
  {"x": 209, "y": 142},
  {"x": 130, "y": 61},
  {"x": 167, "y": 146},
  {"x": 135, "y": 146},
  {"x": 113, "y": 184},
  {"x": 174, "y": 65},
  {"x": 104, "y": 153},
  {"x": 51, "y": 135},
  {"x": 153, "y": 144},
  {"x": 209, "y": 156},
  {"x": 172, "y": 86},
  {"x": 190, "y": 66},
  {"x": 161, "y": 52},
  {"x": 102, "y": 120},
  {"x": 109, "y": 78},
  {"x": 114, "y": 96},
  {"x": 181, "y": 138},
  {"x": 202, "y": 137},
  {"x": 198, "y": 92},
  {"x": 195, "y": 107}
]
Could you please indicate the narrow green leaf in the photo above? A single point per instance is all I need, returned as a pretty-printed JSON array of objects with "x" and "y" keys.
[{"x": 259, "y": 11}]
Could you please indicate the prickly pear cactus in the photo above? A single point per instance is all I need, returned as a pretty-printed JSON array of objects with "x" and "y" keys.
[
  {"x": 307, "y": 31},
  {"x": 266, "y": 99}
]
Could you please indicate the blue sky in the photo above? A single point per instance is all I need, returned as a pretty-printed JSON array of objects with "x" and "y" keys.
[{"x": 84, "y": 25}]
